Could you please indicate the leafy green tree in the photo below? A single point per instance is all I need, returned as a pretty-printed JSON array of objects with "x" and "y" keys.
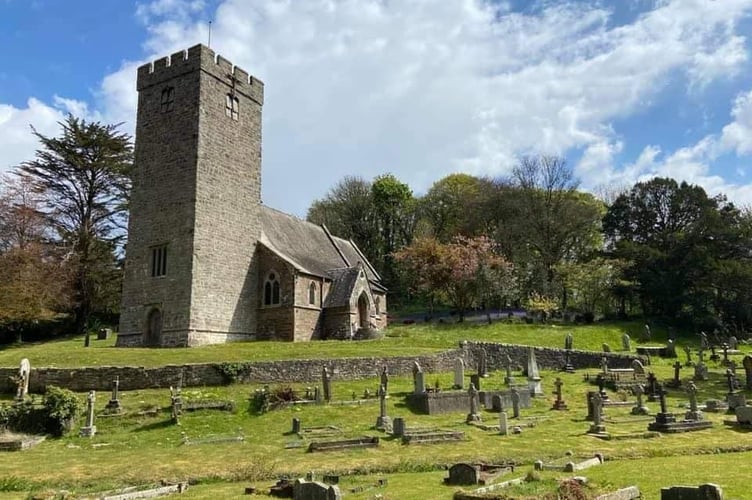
[
  {"x": 451, "y": 206},
  {"x": 83, "y": 177}
]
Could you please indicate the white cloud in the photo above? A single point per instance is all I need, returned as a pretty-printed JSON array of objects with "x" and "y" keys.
[
  {"x": 16, "y": 140},
  {"x": 426, "y": 87},
  {"x": 737, "y": 135}
]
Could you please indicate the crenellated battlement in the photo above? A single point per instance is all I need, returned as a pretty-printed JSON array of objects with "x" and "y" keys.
[{"x": 200, "y": 58}]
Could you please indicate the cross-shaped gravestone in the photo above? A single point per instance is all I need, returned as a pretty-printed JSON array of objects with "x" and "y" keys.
[
  {"x": 652, "y": 383},
  {"x": 639, "y": 408},
  {"x": 725, "y": 348},
  {"x": 383, "y": 423},
  {"x": 662, "y": 396},
  {"x": 384, "y": 378},
  {"x": 559, "y": 404},
  {"x": 692, "y": 392},
  {"x": 114, "y": 403},
  {"x": 597, "y": 403},
  {"x": 89, "y": 429}
]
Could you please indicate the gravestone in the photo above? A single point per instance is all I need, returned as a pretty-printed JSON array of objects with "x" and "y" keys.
[
  {"x": 533, "y": 377},
  {"x": 515, "y": 403},
  {"x": 475, "y": 380},
  {"x": 326, "y": 381},
  {"x": 559, "y": 403},
  {"x": 747, "y": 364},
  {"x": 626, "y": 342},
  {"x": 676, "y": 382},
  {"x": 459, "y": 374},
  {"x": 706, "y": 491},
  {"x": 383, "y": 422},
  {"x": 639, "y": 408},
  {"x": 398, "y": 427},
  {"x": 313, "y": 490},
  {"x": 568, "y": 341},
  {"x": 733, "y": 343},
  {"x": 384, "y": 379},
  {"x": 701, "y": 369},
  {"x": 606, "y": 347},
  {"x": 694, "y": 413},
  {"x": 113, "y": 405},
  {"x": 176, "y": 404},
  {"x": 597, "y": 427},
  {"x": 497, "y": 402},
  {"x": 663, "y": 419},
  {"x": 688, "y": 353},
  {"x": 704, "y": 343},
  {"x": 296, "y": 428},
  {"x": 670, "y": 349},
  {"x": 638, "y": 369},
  {"x": 604, "y": 364},
  {"x": 89, "y": 429},
  {"x": 725, "y": 348},
  {"x": 590, "y": 411},
  {"x": 482, "y": 363},
  {"x": 730, "y": 381},
  {"x": 24, "y": 371},
  {"x": 568, "y": 367},
  {"x": 652, "y": 387},
  {"x": 419, "y": 382},
  {"x": 508, "y": 379},
  {"x": 503, "y": 423},
  {"x": 646, "y": 333},
  {"x": 474, "y": 415}
]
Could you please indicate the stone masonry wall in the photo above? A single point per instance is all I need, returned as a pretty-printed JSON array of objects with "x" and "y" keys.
[{"x": 292, "y": 371}]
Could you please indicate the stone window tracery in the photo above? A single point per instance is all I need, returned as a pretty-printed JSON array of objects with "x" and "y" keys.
[{"x": 271, "y": 290}]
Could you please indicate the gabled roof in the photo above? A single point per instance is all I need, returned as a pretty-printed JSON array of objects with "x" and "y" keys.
[
  {"x": 310, "y": 247},
  {"x": 343, "y": 282}
]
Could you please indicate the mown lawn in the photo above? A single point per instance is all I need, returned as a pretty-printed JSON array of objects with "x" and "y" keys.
[{"x": 401, "y": 340}]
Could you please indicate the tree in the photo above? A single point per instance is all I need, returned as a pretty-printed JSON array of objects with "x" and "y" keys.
[
  {"x": 83, "y": 177},
  {"x": 450, "y": 206},
  {"x": 681, "y": 247}
]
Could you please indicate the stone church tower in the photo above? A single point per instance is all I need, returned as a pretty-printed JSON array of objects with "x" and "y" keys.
[{"x": 194, "y": 224}]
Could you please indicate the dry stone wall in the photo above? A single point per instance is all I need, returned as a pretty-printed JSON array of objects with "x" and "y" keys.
[{"x": 294, "y": 371}]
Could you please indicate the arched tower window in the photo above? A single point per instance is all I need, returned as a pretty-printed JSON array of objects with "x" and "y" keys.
[
  {"x": 168, "y": 99},
  {"x": 312, "y": 293},
  {"x": 271, "y": 290},
  {"x": 232, "y": 106}
]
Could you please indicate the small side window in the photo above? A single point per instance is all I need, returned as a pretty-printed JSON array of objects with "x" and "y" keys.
[
  {"x": 168, "y": 99},
  {"x": 232, "y": 106},
  {"x": 312, "y": 294},
  {"x": 159, "y": 261}
]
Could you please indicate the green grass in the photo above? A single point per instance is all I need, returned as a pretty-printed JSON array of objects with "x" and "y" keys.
[
  {"x": 139, "y": 449},
  {"x": 401, "y": 340}
]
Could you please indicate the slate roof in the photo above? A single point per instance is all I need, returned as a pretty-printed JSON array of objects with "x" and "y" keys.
[
  {"x": 311, "y": 248},
  {"x": 343, "y": 282}
]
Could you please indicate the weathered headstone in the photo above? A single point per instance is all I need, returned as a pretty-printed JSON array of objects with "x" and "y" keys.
[
  {"x": 694, "y": 413},
  {"x": 384, "y": 379},
  {"x": 326, "y": 381},
  {"x": 508, "y": 379},
  {"x": 474, "y": 415},
  {"x": 383, "y": 422},
  {"x": 606, "y": 347},
  {"x": 676, "y": 382},
  {"x": 688, "y": 353},
  {"x": 652, "y": 387},
  {"x": 647, "y": 335},
  {"x": 670, "y": 349},
  {"x": 730, "y": 382},
  {"x": 89, "y": 429},
  {"x": 725, "y": 348},
  {"x": 515, "y": 403},
  {"x": 747, "y": 364},
  {"x": 626, "y": 342},
  {"x": 482, "y": 363},
  {"x": 296, "y": 428},
  {"x": 176, "y": 405},
  {"x": 568, "y": 341},
  {"x": 703, "y": 492},
  {"x": 503, "y": 423},
  {"x": 704, "y": 343},
  {"x": 313, "y": 490},
  {"x": 604, "y": 364},
  {"x": 459, "y": 373},
  {"x": 475, "y": 380},
  {"x": 597, "y": 427},
  {"x": 113, "y": 404},
  {"x": 638, "y": 369},
  {"x": 559, "y": 403},
  {"x": 639, "y": 408},
  {"x": 24, "y": 371},
  {"x": 733, "y": 343},
  {"x": 533, "y": 376},
  {"x": 497, "y": 402},
  {"x": 398, "y": 427}
]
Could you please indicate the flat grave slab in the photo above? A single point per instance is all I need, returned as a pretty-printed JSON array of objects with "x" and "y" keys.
[{"x": 344, "y": 444}]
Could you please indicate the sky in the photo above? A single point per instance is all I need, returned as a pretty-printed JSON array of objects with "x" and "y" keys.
[{"x": 625, "y": 90}]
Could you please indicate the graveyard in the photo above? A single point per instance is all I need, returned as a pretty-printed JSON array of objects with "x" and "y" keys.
[{"x": 469, "y": 404}]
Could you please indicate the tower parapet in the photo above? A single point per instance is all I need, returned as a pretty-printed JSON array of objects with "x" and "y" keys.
[{"x": 199, "y": 57}]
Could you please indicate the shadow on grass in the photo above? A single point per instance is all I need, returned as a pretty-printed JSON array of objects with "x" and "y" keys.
[{"x": 163, "y": 424}]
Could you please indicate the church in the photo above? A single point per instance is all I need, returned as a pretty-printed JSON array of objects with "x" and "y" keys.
[{"x": 206, "y": 262}]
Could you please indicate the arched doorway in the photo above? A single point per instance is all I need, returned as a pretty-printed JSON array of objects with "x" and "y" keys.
[
  {"x": 153, "y": 327},
  {"x": 363, "y": 310}
]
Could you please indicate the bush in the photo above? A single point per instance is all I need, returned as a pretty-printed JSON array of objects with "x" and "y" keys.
[{"x": 61, "y": 407}]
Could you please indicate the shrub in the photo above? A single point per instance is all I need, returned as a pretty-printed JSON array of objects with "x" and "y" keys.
[{"x": 61, "y": 406}]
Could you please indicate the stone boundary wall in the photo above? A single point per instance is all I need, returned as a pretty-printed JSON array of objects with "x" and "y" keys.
[{"x": 301, "y": 370}]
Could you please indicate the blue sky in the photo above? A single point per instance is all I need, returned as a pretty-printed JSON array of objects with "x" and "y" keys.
[{"x": 626, "y": 90}]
